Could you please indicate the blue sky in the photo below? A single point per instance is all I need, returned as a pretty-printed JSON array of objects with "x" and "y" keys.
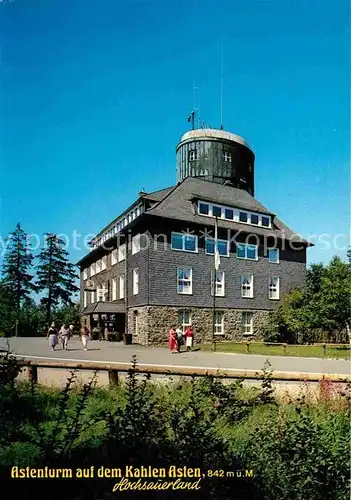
[{"x": 95, "y": 96}]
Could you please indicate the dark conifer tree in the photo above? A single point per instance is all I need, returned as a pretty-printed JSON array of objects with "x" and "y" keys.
[
  {"x": 18, "y": 262},
  {"x": 56, "y": 275}
]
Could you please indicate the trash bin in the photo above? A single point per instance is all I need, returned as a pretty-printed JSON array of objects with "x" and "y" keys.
[{"x": 127, "y": 338}]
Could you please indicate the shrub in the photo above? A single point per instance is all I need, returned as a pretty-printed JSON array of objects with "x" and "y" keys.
[{"x": 297, "y": 450}]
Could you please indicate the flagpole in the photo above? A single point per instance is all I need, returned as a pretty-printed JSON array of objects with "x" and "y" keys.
[{"x": 214, "y": 281}]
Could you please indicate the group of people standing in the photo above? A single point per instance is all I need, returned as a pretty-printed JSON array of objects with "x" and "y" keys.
[
  {"x": 177, "y": 338},
  {"x": 64, "y": 334}
]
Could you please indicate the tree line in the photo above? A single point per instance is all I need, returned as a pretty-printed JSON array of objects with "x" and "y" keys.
[
  {"x": 319, "y": 312},
  {"x": 53, "y": 278}
]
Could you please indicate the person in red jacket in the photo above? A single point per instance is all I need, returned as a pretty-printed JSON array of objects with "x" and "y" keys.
[
  {"x": 189, "y": 337},
  {"x": 172, "y": 340}
]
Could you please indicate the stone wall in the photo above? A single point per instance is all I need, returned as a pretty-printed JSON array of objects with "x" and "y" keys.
[
  {"x": 154, "y": 323},
  {"x": 139, "y": 316}
]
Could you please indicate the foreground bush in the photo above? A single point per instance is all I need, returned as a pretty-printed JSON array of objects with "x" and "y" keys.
[{"x": 296, "y": 450}]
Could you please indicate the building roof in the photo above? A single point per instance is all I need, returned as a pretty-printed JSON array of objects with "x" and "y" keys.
[
  {"x": 178, "y": 205},
  {"x": 153, "y": 196},
  {"x": 104, "y": 308},
  {"x": 213, "y": 133},
  {"x": 158, "y": 195},
  {"x": 176, "y": 202}
]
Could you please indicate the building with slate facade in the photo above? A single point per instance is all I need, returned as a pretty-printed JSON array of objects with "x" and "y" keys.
[{"x": 153, "y": 266}]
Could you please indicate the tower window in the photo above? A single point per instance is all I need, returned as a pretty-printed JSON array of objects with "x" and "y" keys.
[
  {"x": 193, "y": 155},
  {"x": 227, "y": 157}
]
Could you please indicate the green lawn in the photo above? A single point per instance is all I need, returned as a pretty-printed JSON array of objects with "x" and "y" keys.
[{"x": 311, "y": 351}]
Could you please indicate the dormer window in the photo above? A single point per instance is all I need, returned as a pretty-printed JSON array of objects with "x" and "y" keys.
[
  {"x": 254, "y": 219},
  {"x": 227, "y": 157},
  {"x": 242, "y": 216},
  {"x": 193, "y": 155},
  {"x": 204, "y": 208},
  {"x": 265, "y": 221},
  {"x": 233, "y": 214},
  {"x": 216, "y": 211}
]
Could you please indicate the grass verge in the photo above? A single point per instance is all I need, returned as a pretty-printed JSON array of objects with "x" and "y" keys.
[{"x": 308, "y": 351}]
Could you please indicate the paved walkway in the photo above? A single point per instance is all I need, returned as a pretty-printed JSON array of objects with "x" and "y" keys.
[{"x": 117, "y": 352}]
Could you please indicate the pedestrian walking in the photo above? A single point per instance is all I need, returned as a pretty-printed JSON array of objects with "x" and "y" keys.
[
  {"x": 101, "y": 333},
  {"x": 64, "y": 336},
  {"x": 189, "y": 337},
  {"x": 71, "y": 331},
  {"x": 172, "y": 340},
  {"x": 52, "y": 336},
  {"x": 85, "y": 337},
  {"x": 179, "y": 332}
]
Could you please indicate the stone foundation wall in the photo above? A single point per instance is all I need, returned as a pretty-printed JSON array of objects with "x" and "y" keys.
[
  {"x": 141, "y": 336},
  {"x": 154, "y": 323}
]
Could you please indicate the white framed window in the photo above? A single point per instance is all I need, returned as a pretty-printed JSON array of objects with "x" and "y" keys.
[
  {"x": 247, "y": 286},
  {"x": 104, "y": 263},
  {"x": 203, "y": 208},
  {"x": 135, "y": 281},
  {"x": 184, "y": 242},
  {"x": 246, "y": 251},
  {"x": 104, "y": 292},
  {"x": 136, "y": 244},
  {"x": 85, "y": 299},
  {"x": 184, "y": 319},
  {"x": 254, "y": 219},
  {"x": 274, "y": 288},
  {"x": 184, "y": 280},
  {"x": 273, "y": 255},
  {"x": 229, "y": 213},
  {"x": 222, "y": 245},
  {"x": 227, "y": 157},
  {"x": 247, "y": 323},
  {"x": 217, "y": 211},
  {"x": 135, "y": 322},
  {"x": 99, "y": 293},
  {"x": 193, "y": 155},
  {"x": 85, "y": 274},
  {"x": 98, "y": 266},
  {"x": 114, "y": 257},
  {"x": 122, "y": 250},
  {"x": 233, "y": 214},
  {"x": 114, "y": 288},
  {"x": 243, "y": 216},
  {"x": 121, "y": 286},
  {"x": 219, "y": 323},
  {"x": 265, "y": 221},
  {"x": 92, "y": 296},
  {"x": 220, "y": 283}
]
